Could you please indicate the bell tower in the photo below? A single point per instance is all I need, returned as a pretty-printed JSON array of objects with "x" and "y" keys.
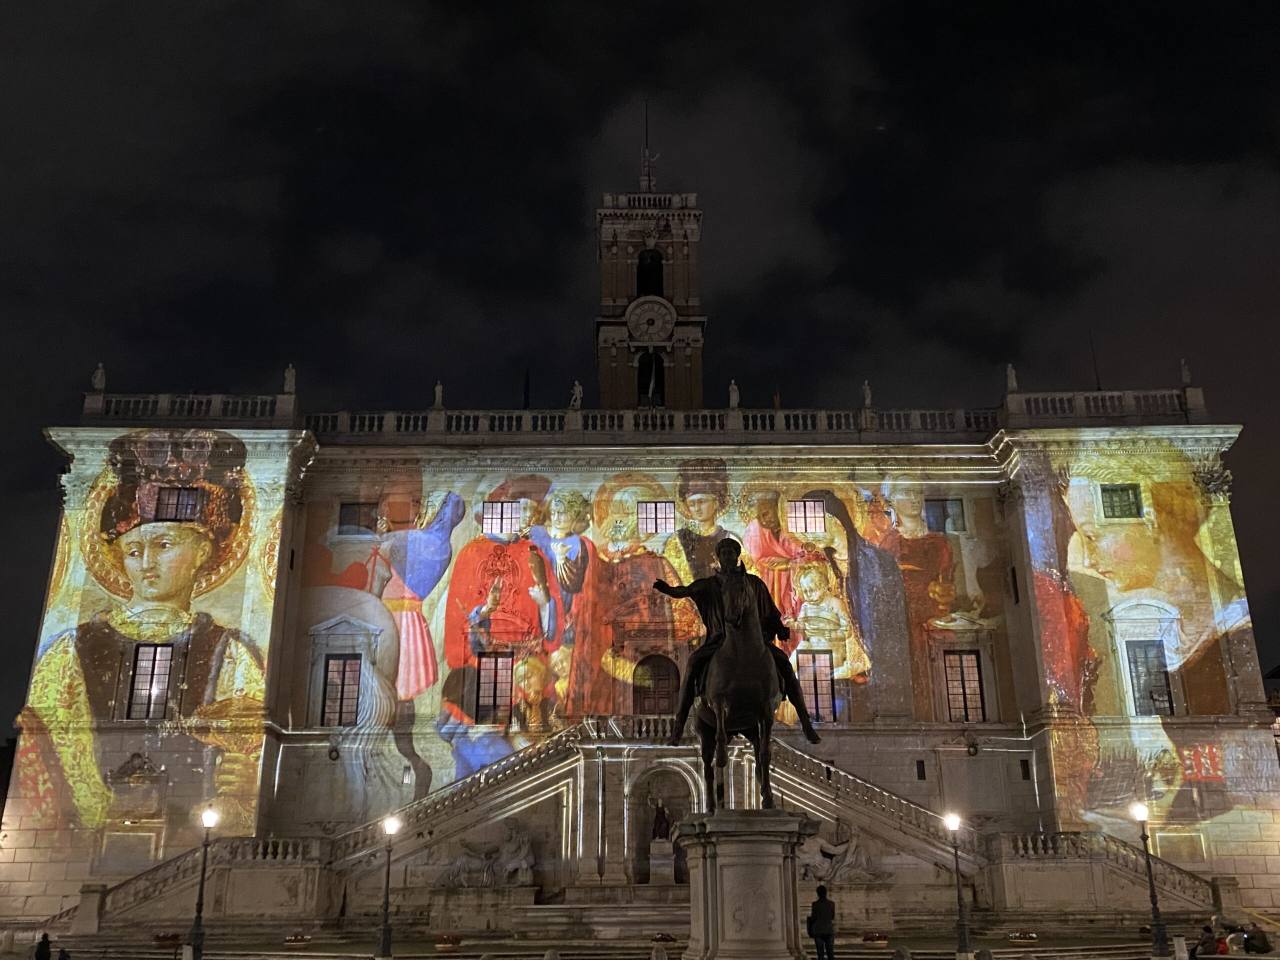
[{"x": 650, "y": 326}]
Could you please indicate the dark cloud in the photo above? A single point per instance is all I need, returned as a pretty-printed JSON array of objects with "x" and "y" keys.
[{"x": 386, "y": 193}]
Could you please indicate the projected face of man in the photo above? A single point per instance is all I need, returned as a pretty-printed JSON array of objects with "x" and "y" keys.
[
  {"x": 162, "y": 561},
  {"x": 767, "y": 512},
  {"x": 703, "y": 509},
  {"x": 621, "y": 528},
  {"x": 560, "y": 516},
  {"x": 1126, "y": 554}
]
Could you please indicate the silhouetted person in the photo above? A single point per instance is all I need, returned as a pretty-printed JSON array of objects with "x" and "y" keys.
[
  {"x": 822, "y": 926},
  {"x": 43, "y": 949}
]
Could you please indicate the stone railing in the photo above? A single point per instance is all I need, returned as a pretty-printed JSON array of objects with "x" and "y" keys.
[
  {"x": 1117, "y": 406},
  {"x": 571, "y": 427},
  {"x": 416, "y": 815},
  {"x": 275, "y": 410},
  {"x": 185, "y": 867},
  {"x": 909, "y": 817},
  {"x": 645, "y": 729},
  {"x": 1094, "y": 845},
  {"x": 644, "y": 426}
]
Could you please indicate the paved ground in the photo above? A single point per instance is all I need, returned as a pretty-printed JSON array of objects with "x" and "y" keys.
[{"x": 924, "y": 948}]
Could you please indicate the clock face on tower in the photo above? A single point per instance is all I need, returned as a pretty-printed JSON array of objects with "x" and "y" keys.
[{"x": 651, "y": 318}]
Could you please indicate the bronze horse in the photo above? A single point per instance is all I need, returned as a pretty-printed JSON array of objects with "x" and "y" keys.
[{"x": 740, "y": 690}]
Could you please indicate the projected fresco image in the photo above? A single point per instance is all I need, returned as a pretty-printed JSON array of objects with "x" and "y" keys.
[
  {"x": 159, "y": 604},
  {"x": 490, "y": 611},
  {"x": 1141, "y": 600}
]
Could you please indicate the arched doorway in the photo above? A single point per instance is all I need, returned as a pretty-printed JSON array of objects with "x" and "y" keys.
[
  {"x": 659, "y": 784},
  {"x": 656, "y": 687}
]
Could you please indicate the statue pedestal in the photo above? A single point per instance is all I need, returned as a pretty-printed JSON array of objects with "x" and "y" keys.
[
  {"x": 662, "y": 861},
  {"x": 742, "y": 884}
]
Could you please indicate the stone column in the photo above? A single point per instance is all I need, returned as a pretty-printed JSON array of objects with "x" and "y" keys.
[{"x": 742, "y": 884}]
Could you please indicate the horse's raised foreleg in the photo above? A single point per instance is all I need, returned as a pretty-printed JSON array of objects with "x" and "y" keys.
[{"x": 764, "y": 735}]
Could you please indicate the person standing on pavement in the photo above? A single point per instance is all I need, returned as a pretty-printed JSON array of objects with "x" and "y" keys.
[{"x": 822, "y": 926}]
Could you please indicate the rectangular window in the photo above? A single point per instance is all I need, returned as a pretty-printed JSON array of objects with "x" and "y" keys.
[
  {"x": 501, "y": 517},
  {"x": 1121, "y": 501},
  {"x": 357, "y": 518},
  {"x": 920, "y": 773},
  {"x": 806, "y": 516},
  {"x": 963, "y": 674},
  {"x": 814, "y": 672},
  {"x": 656, "y": 516},
  {"x": 178, "y": 503},
  {"x": 1149, "y": 677},
  {"x": 1013, "y": 583},
  {"x": 944, "y": 516},
  {"x": 1025, "y": 766},
  {"x": 149, "y": 689},
  {"x": 493, "y": 688},
  {"x": 341, "y": 690}
]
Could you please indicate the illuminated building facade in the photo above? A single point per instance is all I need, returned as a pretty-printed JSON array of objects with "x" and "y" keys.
[{"x": 1032, "y": 614}]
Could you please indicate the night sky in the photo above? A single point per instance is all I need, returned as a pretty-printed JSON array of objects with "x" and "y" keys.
[{"x": 385, "y": 193}]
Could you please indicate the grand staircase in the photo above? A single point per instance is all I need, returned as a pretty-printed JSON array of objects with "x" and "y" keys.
[{"x": 555, "y": 764}]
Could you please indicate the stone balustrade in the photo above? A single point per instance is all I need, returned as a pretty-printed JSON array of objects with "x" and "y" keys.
[
  {"x": 911, "y": 818},
  {"x": 417, "y": 815},
  {"x": 568, "y": 427},
  {"x": 1095, "y": 845},
  {"x": 1184, "y": 405},
  {"x": 643, "y": 426},
  {"x": 274, "y": 410}
]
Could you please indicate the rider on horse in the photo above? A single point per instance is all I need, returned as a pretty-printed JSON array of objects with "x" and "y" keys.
[{"x": 708, "y": 595}]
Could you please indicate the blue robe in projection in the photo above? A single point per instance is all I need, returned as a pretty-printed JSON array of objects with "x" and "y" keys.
[{"x": 878, "y": 601}]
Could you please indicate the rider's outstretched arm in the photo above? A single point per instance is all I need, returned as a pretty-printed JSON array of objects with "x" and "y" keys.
[{"x": 678, "y": 591}]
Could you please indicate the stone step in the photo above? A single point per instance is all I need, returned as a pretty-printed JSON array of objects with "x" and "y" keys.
[{"x": 584, "y": 951}]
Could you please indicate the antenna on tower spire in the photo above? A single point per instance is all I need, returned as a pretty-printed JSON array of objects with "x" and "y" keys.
[{"x": 648, "y": 179}]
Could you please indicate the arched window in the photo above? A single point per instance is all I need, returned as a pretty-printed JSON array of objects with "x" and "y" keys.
[
  {"x": 657, "y": 684},
  {"x": 650, "y": 376},
  {"x": 649, "y": 274}
]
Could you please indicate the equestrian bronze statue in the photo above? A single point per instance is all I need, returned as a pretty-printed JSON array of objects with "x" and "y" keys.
[{"x": 737, "y": 672}]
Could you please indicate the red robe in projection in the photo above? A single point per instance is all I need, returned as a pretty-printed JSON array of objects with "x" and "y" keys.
[
  {"x": 923, "y": 561},
  {"x": 1068, "y": 661},
  {"x": 516, "y": 624},
  {"x": 774, "y": 552},
  {"x": 627, "y": 604}
]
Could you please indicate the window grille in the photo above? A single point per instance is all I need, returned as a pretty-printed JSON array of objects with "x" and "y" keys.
[
  {"x": 963, "y": 674},
  {"x": 656, "y": 516},
  {"x": 814, "y": 671},
  {"x": 149, "y": 687},
  {"x": 501, "y": 517},
  {"x": 806, "y": 516},
  {"x": 178, "y": 503},
  {"x": 493, "y": 688},
  {"x": 341, "y": 690}
]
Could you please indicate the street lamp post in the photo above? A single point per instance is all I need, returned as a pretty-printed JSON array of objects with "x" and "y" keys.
[
  {"x": 952, "y": 821},
  {"x": 1159, "y": 935},
  {"x": 209, "y": 818},
  {"x": 390, "y": 826}
]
